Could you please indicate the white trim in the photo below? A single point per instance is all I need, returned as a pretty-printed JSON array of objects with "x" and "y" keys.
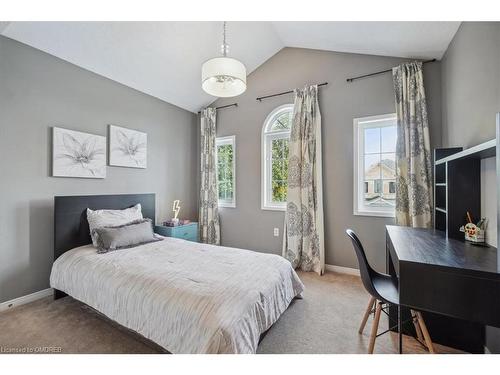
[
  {"x": 483, "y": 147},
  {"x": 266, "y": 137},
  {"x": 374, "y": 213},
  {"x": 274, "y": 208},
  {"x": 274, "y": 113},
  {"x": 229, "y": 140},
  {"x": 358, "y": 167},
  {"x": 26, "y": 299},
  {"x": 340, "y": 269}
]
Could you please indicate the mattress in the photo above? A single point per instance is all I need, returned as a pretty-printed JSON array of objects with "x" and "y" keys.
[{"x": 185, "y": 296}]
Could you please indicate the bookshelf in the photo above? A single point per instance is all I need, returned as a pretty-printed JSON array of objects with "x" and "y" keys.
[{"x": 457, "y": 185}]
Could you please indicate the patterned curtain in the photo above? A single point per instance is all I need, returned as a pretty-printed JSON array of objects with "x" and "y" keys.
[
  {"x": 303, "y": 239},
  {"x": 413, "y": 153},
  {"x": 209, "y": 212}
]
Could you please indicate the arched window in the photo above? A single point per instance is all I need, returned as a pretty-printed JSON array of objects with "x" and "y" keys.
[{"x": 275, "y": 137}]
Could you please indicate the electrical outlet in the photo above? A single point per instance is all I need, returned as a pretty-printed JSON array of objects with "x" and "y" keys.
[{"x": 276, "y": 232}]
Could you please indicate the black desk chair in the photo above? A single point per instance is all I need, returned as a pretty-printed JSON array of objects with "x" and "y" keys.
[{"x": 384, "y": 291}]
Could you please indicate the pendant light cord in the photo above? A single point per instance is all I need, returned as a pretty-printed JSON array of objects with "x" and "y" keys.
[{"x": 225, "y": 47}]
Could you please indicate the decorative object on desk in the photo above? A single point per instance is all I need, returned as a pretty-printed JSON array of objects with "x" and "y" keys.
[
  {"x": 473, "y": 232},
  {"x": 127, "y": 147},
  {"x": 77, "y": 154}
]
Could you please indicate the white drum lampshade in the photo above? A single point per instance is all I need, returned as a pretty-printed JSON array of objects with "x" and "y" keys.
[{"x": 223, "y": 77}]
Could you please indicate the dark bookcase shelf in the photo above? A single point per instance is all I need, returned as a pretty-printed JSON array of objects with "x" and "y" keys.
[{"x": 457, "y": 186}]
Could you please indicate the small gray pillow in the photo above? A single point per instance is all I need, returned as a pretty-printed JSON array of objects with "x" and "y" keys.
[{"x": 125, "y": 236}]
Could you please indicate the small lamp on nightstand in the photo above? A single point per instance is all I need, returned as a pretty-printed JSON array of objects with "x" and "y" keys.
[{"x": 176, "y": 208}]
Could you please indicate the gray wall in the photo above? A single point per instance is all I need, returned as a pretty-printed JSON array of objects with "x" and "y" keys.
[
  {"x": 471, "y": 84},
  {"x": 38, "y": 91},
  {"x": 471, "y": 98},
  {"x": 248, "y": 226}
]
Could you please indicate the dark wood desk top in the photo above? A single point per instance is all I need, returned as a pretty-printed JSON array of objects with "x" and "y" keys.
[
  {"x": 429, "y": 246},
  {"x": 454, "y": 283}
]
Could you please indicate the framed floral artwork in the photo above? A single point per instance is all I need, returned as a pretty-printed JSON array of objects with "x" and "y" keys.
[
  {"x": 77, "y": 154},
  {"x": 127, "y": 147}
]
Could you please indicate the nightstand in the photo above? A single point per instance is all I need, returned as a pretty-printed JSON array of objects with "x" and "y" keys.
[{"x": 187, "y": 232}]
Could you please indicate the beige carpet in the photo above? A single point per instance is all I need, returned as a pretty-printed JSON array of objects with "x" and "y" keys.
[{"x": 326, "y": 320}]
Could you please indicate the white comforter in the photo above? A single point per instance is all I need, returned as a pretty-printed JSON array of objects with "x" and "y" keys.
[{"x": 186, "y": 297}]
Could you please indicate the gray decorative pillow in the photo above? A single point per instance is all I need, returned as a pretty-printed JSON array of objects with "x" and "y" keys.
[
  {"x": 109, "y": 218},
  {"x": 125, "y": 236}
]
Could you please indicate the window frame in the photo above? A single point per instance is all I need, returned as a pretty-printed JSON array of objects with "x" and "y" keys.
[
  {"x": 222, "y": 141},
  {"x": 360, "y": 124},
  {"x": 266, "y": 165}
]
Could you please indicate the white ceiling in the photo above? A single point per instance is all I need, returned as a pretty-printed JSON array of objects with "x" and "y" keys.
[
  {"x": 163, "y": 59},
  {"x": 424, "y": 40}
]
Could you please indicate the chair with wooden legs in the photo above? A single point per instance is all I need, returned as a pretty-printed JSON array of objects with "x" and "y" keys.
[{"x": 383, "y": 290}]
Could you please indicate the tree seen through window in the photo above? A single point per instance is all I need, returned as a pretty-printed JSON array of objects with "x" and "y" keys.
[
  {"x": 225, "y": 171},
  {"x": 275, "y": 147}
]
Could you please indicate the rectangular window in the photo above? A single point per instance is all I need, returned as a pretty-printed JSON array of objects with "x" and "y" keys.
[
  {"x": 392, "y": 187},
  {"x": 277, "y": 170},
  {"x": 226, "y": 162},
  {"x": 375, "y": 165}
]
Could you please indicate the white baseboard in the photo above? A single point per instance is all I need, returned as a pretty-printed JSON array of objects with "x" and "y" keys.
[
  {"x": 339, "y": 269},
  {"x": 26, "y": 299}
]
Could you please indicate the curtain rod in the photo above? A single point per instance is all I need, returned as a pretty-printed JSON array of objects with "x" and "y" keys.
[
  {"x": 225, "y": 106},
  {"x": 381, "y": 72},
  {"x": 284, "y": 93}
]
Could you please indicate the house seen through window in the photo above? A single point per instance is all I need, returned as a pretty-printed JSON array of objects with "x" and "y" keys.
[{"x": 375, "y": 165}]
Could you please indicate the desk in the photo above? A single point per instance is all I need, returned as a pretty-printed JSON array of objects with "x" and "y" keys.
[{"x": 455, "y": 284}]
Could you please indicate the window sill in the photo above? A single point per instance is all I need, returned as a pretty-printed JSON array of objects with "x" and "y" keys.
[
  {"x": 375, "y": 214},
  {"x": 271, "y": 208},
  {"x": 227, "y": 205}
]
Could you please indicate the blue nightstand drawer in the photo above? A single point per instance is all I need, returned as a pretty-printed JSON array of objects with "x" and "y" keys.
[{"x": 187, "y": 232}]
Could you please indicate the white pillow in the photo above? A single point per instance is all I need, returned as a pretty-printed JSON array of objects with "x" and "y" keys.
[{"x": 110, "y": 218}]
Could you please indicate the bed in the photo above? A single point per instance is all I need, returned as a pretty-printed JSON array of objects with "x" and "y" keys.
[{"x": 184, "y": 296}]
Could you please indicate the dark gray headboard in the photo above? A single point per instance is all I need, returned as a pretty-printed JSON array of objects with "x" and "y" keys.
[{"x": 71, "y": 228}]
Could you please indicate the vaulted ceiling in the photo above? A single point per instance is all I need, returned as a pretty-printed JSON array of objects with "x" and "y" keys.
[{"x": 163, "y": 59}]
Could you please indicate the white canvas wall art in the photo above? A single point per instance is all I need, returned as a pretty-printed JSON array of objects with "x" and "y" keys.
[
  {"x": 127, "y": 147},
  {"x": 77, "y": 154}
]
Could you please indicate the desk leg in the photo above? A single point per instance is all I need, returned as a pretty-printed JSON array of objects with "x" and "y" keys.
[{"x": 400, "y": 330}]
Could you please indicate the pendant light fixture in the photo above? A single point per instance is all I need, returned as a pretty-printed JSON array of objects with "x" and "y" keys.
[{"x": 224, "y": 76}]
